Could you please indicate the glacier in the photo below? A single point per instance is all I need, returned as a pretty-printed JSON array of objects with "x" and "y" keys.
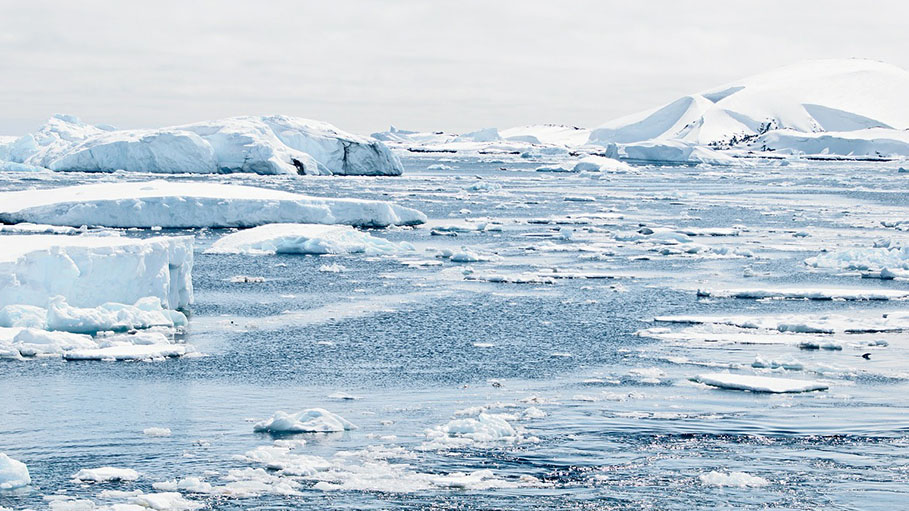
[
  {"x": 177, "y": 205},
  {"x": 276, "y": 144}
]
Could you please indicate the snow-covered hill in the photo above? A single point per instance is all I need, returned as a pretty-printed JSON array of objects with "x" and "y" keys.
[
  {"x": 264, "y": 145},
  {"x": 845, "y": 97}
]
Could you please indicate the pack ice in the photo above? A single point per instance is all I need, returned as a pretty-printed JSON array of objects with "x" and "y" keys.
[
  {"x": 275, "y": 144},
  {"x": 848, "y": 107},
  {"x": 187, "y": 205}
]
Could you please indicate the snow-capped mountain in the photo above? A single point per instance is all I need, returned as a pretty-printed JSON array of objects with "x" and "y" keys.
[
  {"x": 265, "y": 145},
  {"x": 840, "y": 97}
]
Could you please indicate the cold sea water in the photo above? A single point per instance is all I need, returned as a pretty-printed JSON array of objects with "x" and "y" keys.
[{"x": 540, "y": 371}]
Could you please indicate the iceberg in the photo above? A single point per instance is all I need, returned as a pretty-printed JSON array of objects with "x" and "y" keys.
[
  {"x": 276, "y": 144},
  {"x": 88, "y": 271},
  {"x": 178, "y": 205},
  {"x": 759, "y": 383},
  {"x": 314, "y": 239},
  {"x": 13, "y": 473}
]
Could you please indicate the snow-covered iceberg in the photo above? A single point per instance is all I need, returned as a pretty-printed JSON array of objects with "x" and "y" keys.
[
  {"x": 315, "y": 239},
  {"x": 186, "y": 205},
  {"x": 849, "y": 107},
  {"x": 88, "y": 271},
  {"x": 275, "y": 144}
]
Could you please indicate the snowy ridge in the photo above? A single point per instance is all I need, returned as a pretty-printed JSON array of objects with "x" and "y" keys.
[{"x": 275, "y": 144}]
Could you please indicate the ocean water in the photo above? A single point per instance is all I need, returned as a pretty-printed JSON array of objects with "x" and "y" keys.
[{"x": 599, "y": 395}]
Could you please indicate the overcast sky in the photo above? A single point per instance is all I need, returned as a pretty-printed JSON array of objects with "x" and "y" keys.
[{"x": 426, "y": 65}]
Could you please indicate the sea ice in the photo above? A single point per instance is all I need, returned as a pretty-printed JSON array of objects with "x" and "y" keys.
[
  {"x": 13, "y": 473},
  {"x": 305, "y": 239},
  {"x": 105, "y": 474},
  {"x": 177, "y": 205},
  {"x": 312, "y": 420},
  {"x": 759, "y": 383},
  {"x": 736, "y": 479}
]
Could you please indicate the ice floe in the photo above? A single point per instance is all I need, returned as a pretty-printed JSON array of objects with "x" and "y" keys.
[
  {"x": 734, "y": 479},
  {"x": 485, "y": 430},
  {"x": 105, "y": 474},
  {"x": 170, "y": 204},
  {"x": 753, "y": 383},
  {"x": 305, "y": 239},
  {"x": 807, "y": 294}
]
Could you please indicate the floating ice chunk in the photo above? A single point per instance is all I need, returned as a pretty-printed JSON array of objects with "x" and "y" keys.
[
  {"x": 789, "y": 365},
  {"x": 91, "y": 270},
  {"x": 759, "y": 383},
  {"x": 128, "y": 352},
  {"x": 484, "y": 186},
  {"x": 595, "y": 163},
  {"x": 106, "y": 474},
  {"x": 866, "y": 259},
  {"x": 156, "y": 431},
  {"x": 312, "y": 420},
  {"x": 188, "y": 485},
  {"x": 305, "y": 239},
  {"x": 146, "y": 313},
  {"x": 176, "y": 205},
  {"x": 13, "y": 473},
  {"x": 165, "y": 501},
  {"x": 736, "y": 479},
  {"x": 332, "y": 268},
  {"x": 807, "y": 294},
  {"x": 486, "y": 429},
  {"x": 32, "y": 341}
]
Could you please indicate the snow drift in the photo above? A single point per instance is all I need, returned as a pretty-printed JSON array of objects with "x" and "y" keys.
[
  {"x": 275, "y": 144},
  {"x": 187, "y": 205}
]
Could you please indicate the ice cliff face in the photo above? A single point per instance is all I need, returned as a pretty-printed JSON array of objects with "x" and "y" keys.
[
  {"x": 264, "y": 145},
  {"x": 812, "y": 97}
]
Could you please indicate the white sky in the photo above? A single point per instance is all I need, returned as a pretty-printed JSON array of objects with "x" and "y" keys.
[{"x": 422, "y": 64}]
